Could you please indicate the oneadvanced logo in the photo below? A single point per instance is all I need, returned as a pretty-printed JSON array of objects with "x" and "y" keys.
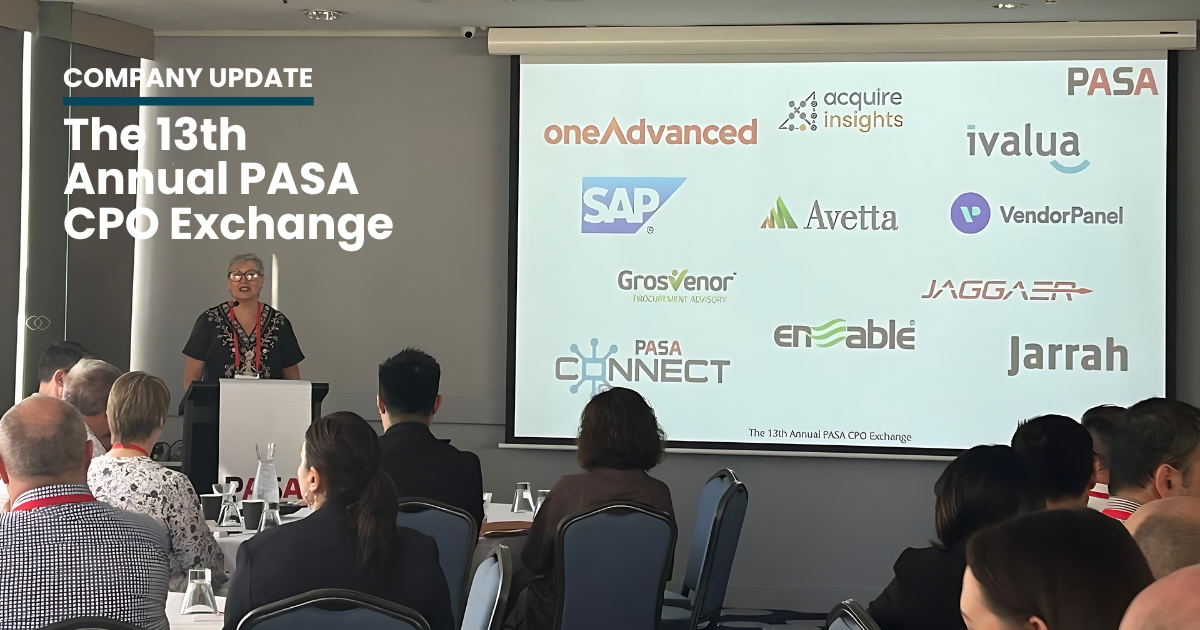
[
  {"x": 669, "y": 365},
  {"x": 679, "y": 279},
  {"x": 1078, "y": 77},
  {"x": 862, "y": 219},
  {"x": 1058, "y": 356},
  {"x": 1018, "y": 144},
  {"x": 643, "y": 133},
  {"x": 835, "y": 332},
  {"x": 622, "y": 205},
  {"x": 1040, "y": 290},
  {"x": 843, "y": 110},
  {"x": 970, "y": 213}
]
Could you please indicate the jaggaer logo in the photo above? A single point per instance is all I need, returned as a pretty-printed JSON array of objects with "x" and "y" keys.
[
  {"x": 622, "y": 205},
  {"x": 835, "y": 332}
]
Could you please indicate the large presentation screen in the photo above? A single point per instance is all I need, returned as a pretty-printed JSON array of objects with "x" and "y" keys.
[{"x": 888, "y": 257}]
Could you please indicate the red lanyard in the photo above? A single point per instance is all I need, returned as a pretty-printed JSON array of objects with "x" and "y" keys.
[
  {"x": 64, "y": 498},
  {"x": 1117, "y": 513},
  {"x": 237, "y": 354},
  {"x": 132, "y": 447}
]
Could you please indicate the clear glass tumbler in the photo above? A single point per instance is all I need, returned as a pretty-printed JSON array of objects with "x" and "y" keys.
[{"x": 199, "y": 599}]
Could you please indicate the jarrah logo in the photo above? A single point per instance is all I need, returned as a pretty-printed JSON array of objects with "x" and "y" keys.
[
  {"x": 1001, "y": 290},
  {"x": 835, "y": 332},
  {"x": 622, "y": 205},
  {"x": 1018, "y": 144},
  {"x": 1087, "y": 357},
  {"x": 861, "y": 219},
  {"x": 643, "y": 133},
  {"x": 1096, "y": 80},
  {"x": 601, "y": 371}
]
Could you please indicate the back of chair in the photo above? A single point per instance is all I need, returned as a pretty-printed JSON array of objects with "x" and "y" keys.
[
  {"x": 489, "y": 592},
  {"x": 92, "y": 623},
  {"x": 456, "y": 534},
  {"x": 849, "y": 615},
  {"x": 722, "y": 547},
  {"x": 333, "y": 608},
  {"x": 710, "y": 497},
  {"x": 611, "y": 564}
]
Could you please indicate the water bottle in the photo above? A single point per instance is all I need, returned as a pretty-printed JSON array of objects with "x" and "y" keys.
[{"x": 266, "y": 485}]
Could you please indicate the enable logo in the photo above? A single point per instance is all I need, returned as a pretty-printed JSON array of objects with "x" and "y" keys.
[
  {"x": 622, "y": 205},
  {"x": 970, "y": 213}
]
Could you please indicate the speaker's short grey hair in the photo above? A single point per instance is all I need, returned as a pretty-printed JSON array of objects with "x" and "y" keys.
[
  {"x": 42, "y": 437},
  {"x": 241, "y": 258},
  {"x": 87, "y": 385}
]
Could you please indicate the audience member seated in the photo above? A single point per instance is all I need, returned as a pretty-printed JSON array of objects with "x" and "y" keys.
[
  {"x": 350, "y": 541},
  {"x": 983, "y": 486},
  {"x": 86, "y": 388},
  {"x": 419, "y": 464},
  {"x": 1053, "y": 570},
  {"x": 1059, "y": 453},
  {"x": 1168, "y": 531},
  {"x": 56, "y": 361},
  {"x": 1153, "y": 455},
  {"x": 1168, "y": 604},
  {"x": 127, "y": 478},
  {"x": 64, "y": 554},
  {"x": 619, "y": 440},
  {"x": 1099, "y": 422}
]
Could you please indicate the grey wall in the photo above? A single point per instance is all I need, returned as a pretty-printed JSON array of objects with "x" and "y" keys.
[
  {"x": 11, "y": 50},
  {"x": 424, "y": 126}
]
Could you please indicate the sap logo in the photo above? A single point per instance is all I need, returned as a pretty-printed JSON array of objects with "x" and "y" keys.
[
  {"x": 1038, "y": 357},
  {"x": 1078, "y": 77},
  {"x": 1000, "y": 290},
  {"x": 1016, "y": 144},
  {"x": 622, "y": 205},
  {"x": 601, "y": 371},
  {"x": 834, "y": 332}
]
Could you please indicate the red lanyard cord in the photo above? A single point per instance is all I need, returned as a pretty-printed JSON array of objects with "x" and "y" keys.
[
  {"x": 237, "y": 354},
  {"x": 131, "y": 447},
  {"x": 64, "y": 498}
]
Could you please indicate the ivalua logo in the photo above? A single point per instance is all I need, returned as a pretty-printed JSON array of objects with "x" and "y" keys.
[
  {"x": 1023, "y": 143},
  {"x": 622, "y": 205}
]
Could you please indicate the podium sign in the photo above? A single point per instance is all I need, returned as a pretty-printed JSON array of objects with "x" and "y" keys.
[{"x": 259, "y": 412}]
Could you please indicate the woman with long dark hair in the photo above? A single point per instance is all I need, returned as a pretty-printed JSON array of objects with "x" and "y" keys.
[
  {"x": 983, "y": 486},
  {"x": 350, "y": 541},
  {"x": 1055, "y": 570}
]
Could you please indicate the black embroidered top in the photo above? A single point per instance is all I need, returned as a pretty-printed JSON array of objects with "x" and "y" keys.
[{"x": 212, "y": 343}]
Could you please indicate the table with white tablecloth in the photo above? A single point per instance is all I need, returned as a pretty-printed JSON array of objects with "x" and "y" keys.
[{"x": 194, "y": 622}]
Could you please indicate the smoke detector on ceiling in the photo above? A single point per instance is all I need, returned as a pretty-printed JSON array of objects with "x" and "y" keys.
[
  {"x": 323, "y": 14},
  {"x": 1008, "y": 5}
]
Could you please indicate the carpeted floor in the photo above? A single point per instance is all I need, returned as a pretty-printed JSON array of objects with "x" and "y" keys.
[{"x": 775, "y": 619}]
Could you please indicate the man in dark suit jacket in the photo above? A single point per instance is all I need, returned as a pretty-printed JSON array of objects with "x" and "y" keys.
[{"x": 420, "y": 464}]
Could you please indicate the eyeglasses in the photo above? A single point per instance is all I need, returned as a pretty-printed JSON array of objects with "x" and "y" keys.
[{"x": 250, "y": 276}]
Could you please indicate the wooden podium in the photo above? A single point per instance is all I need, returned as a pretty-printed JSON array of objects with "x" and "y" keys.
[{"x": 200, "y": 408}]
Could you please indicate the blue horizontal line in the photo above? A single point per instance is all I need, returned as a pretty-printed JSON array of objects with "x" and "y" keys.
[{"x": 190, "y": 100}]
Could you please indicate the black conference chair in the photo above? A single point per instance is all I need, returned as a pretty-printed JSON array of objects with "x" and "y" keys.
[
  {"x": 849, "y": 615},
  {"x": 710, "y": 498},
  {"x": 328, "y": 608},
  {"x": 489, "y": 592},
  {"x": 92, "y": 623},
  {"x": 456, "y": 534},
  {"x": 713, "y": 576},
  {"x": 611, "y": 563}
]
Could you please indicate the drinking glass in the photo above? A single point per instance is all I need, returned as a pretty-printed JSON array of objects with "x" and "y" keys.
[
  {"x": 199, "y": 599},
  {"x": 541, "y": 498},
  {"x": 522, "y": 498},
  {"x": 229, "y": 512},
  {"x": 270, "y": 517}
]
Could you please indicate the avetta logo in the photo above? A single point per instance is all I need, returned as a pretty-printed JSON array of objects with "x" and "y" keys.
[
  {"x": 644, "y": 133},
  {"x": 622, "y": 205},
  {"x": 1097, "y": 80},
  {"x": 779, "y": 218}
]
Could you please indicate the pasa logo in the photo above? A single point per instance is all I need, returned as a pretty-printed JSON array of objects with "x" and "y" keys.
[
  {"x": 1078, "y": 77},
  {"x": 970, "y": 213},
  {"x": 622, "y": 205}
]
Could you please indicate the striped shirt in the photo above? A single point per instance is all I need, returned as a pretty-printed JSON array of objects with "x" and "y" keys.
[
  {"x": 1121, "y": 509},
  {"x": 80, "y": 559}
]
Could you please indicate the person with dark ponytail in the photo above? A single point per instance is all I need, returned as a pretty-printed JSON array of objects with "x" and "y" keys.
[{"x": 350, "y": 541}]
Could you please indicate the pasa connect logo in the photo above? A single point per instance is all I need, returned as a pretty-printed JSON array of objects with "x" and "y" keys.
[
  {"x": 970, "y": 213},
  {"x": 622, "y": 205}
]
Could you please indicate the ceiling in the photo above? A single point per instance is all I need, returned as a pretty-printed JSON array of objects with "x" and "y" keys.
[{"x": 191, "y": 15}]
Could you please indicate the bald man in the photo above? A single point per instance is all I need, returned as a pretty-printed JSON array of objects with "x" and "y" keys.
[
  {"x": 1168, "y": 531},
  {"x": 86, "y": 388},
  {"x": 1168, "y": 604},
  {"x": 62, "y": 553}
]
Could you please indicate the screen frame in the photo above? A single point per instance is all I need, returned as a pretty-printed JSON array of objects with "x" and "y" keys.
[{"x": 818, "y": 450}]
